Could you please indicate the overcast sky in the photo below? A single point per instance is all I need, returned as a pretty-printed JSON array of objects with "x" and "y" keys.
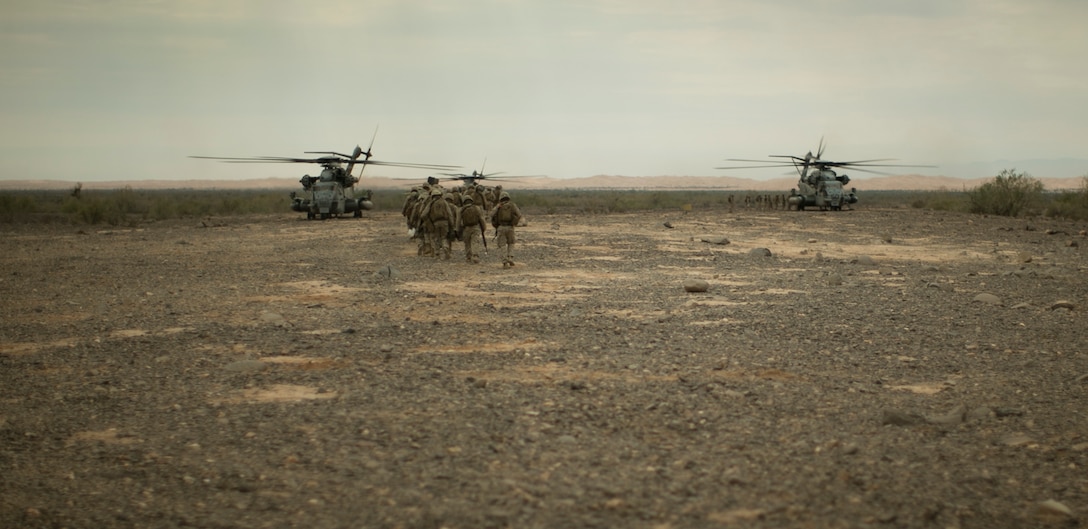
[{"x": 127, "y": 89}]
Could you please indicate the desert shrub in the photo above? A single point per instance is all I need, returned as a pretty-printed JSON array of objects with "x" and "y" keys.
[
  {"x": 1070, "y": 204},
  {"x": 942, "y": 200},
  {"x": 16, "y": 207},
  {"x": 129, "y": 207},
  {"x": 1009, "y": 194}
]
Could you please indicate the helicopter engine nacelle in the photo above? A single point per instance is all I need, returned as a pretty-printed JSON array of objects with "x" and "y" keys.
[
  {"x": 300, "y": 205},
  {"x": 359, "y": 204}
]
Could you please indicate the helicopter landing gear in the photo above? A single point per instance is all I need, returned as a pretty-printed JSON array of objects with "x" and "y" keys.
[
  {"x": 358, "y": 214},
  {"x": 309, "y": 215}
]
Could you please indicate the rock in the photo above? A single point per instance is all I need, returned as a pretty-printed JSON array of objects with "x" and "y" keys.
[
  {"x": 759, "y": 252},
  {"x": 274, "y": 319},
  {"x": 834, "y": 280},
  {"x": 988, "y": 298},
  {"x": 1016, "y": 440},
  {"x": 952, "y": 418},
  {"x": 716, "y": 240},
  {"x": 1024, "y": 305},
  {"x": 1072, "y": 243},
  {"x": 979, "y": 414},
  {"x": 901, "y": 418},
  {"x": 696, "y": 285},
  {"x": 668, "y": 224},
  {"x": 1063, "y": 304},
  {"x": 864, "y": 260},
  {"x": 1008, "y": 412},
  {"x": 1024, "y": 257},
  {"x": 1054, "y": 511},
  {"x": 388, "y": 272}
]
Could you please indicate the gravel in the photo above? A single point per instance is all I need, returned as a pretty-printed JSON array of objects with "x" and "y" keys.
[{"x": 840, "y": 369}]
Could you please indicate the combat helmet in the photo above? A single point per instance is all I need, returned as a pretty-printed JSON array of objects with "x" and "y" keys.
[
  {"x": 435, "y": 192},
  {"x": 466, "y": 199},
  {"x": 504, "y": 196}
]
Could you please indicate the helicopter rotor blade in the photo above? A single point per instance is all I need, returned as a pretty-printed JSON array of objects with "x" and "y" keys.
[
  {"x": 409, "y": 165},
  {"x": 857, "y": 164},
  {"x": 323, "y": 160},
  {"x": 268, "y": 159},
  {"x": 334, "y": 153},
  {"x": 758, "y": 161},
  {"x": 758, "y": 166},
  {"x": 863, "y": 161},
  {"x": 371, "y": 146}
]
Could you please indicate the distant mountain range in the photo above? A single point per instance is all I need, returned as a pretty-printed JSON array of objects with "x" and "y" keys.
[{"x": 1040, "y": 168}]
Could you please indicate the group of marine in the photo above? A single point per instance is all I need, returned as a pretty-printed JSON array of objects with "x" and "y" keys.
[{"x": 437, "y": 216}]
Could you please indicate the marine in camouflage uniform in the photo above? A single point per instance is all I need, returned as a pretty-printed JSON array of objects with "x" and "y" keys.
[
  {"x": 438, "y": 218},
  {"x": 409, "y": 206},
  {"x": 417, "y": 222},
  {"x": 471, "y": 225},
  {"x": 504, "y": 217},
  {"x": 479, "y": 197}
]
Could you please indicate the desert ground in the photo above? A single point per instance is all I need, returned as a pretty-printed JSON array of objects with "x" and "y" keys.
[{"x": 865, "y": 368}]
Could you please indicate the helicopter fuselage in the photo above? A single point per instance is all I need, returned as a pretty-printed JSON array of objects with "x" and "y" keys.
[
  {"x": 330, "y": 195},
  {"x": 823, "y": 188}
]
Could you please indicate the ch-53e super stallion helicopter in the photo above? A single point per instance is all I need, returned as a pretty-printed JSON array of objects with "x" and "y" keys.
[
  {"x": 332, "y": 193},
  {"x": 476, "y": 176},
  {"x": 819, "y": 185}
]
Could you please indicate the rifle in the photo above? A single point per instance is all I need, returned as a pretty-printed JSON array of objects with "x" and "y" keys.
[{"x": 483, "y": 235}]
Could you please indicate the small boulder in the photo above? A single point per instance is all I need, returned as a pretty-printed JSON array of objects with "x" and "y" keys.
[
  {"x": 716, "y": 240},
  {"x": 387, "y": 272},
  {"x": 274, "y": 319},
  {"x": 759, "y": 252},
  {"x": 696, "y": 285},
  {"x": 901, "y": 418},
  {"x": 245, "y": 366},
  {"x": 955, "y": 416},
  {"x": 988, "y": 299},
  {"x": 1054, "y": 511},
  {"x": 864, "y": 260},
  {"x": 1063, "y": 304}
]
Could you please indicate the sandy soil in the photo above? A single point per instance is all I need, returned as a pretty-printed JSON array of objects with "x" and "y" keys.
[{"x": 881, "y": 368}]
